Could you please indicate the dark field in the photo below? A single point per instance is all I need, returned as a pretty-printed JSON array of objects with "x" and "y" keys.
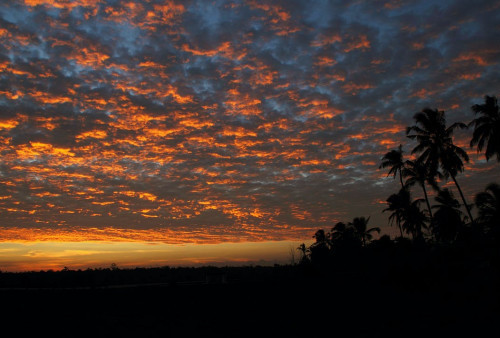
[
  {"x": 232, "y": 310},
  {"x": 449, "y": 297}
]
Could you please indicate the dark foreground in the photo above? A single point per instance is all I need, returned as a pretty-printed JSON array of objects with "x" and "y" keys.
[
  {"x": 447, "y": 297},
  {"x": 233, "y": 310},
  {"x": 295, "y": 308}
]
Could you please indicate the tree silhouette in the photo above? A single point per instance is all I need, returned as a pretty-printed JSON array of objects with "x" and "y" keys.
[
  {"x": 488, "y": 205},
  {"x": 417, "y": 172},
  {"x": 319, "y": 250},
  {"x": 339, "y": 232},
  {"x": 414, "y": 219},
  {"x": 320, "y": 236},
  {"x": 394, "y": 160},
  {"x": 397, "y": 206},
  {"x": 411, "y": 218},
  {"x": 487, "y": 127},
  {"x": 436, "y": 148},
  {"x": 360, "y": 226},
  {"x": 447, "y": 220},
  {"x": 342, "y": 237},
  {"x": 303, "y": 251}
]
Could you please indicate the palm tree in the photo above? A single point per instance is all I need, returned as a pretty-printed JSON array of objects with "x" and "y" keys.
[
  {"x": 407, "y": 213},
  {"x": 320, "y": 236},
  {"x": 436, "y": 148},
  {"x": 414, "y": 218},
  {"x": 319, "y": 251},
  {"x": 394, "y": 160},
  {"x": 448, "y": 219},
  {"x": 417, "y": 172},
  {"x": 487, "y": 127},
  {"x": 342, "y": 237},
  {"x": 396, "y": 204},
  {"x": 360, "y": 225},
  {"x": 303, "y": 250},
  {"x": 338, "y": 232},
  {"x": 488, "y": 205}
]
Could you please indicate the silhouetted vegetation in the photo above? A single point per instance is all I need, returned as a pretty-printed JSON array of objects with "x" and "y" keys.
[
  {"x": 435, "y": 159},
  {"x": 436, "y": 149},
  {"x": 441, "y": 246},
  {"x": 115, "y": 277},
  {"x": 487, "y": 127},
  {"x": 394, "y": 160}
]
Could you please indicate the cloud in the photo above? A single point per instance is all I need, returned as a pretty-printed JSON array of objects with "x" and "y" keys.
[{"x": 239, "y": 120}]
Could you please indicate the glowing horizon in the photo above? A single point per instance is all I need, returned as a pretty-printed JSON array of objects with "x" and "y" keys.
[{"x": 21, "y": 256}]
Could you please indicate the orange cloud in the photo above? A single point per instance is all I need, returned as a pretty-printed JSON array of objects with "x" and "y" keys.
[
  {"x": 359, "y": 42},
  {"x": 354, "y": 88},
  {"x": 324, "y": 40},
  {"x": 470, "y": 76},
  {"x": 225, "y": 49},
  {"x": 8, "y": 124},
  {"x": 97, "y": 134},
  {"x": 481, "y": 58},
  {"x": 61, "y": 3},
  {"x": 90, "y": 58},
  {"x": 325, "y": 61},
  {"x": 239, "y": 103}
]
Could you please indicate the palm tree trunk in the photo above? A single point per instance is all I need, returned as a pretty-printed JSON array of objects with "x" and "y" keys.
[
  {"x": 419, "y": 232},
  {"x": 463, "y": 199},
  {"x": 400, "y": 229},
  {"x": 427, "y": 200},
  {"x": 401, "y": 179}
]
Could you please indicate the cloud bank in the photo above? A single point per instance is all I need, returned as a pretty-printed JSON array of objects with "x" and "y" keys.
[{"x": 224, "y": 121}]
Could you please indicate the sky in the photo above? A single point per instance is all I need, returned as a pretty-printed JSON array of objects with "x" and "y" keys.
[{"x": 219, "y": 125}]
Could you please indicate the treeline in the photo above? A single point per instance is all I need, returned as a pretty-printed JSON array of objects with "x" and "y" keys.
[
  {"x": 434, "y": 161},
  {"x": 114, "y": 276}
]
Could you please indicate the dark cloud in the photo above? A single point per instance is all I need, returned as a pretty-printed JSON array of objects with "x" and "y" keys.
[{"x": 247, "y": 119}]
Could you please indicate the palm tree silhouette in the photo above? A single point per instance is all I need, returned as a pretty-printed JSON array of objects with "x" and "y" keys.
[
  {"x": 303, "y": 250},
  {"x": 320, "y": 236},
  {"x": 408, "y": 214},
  {"x": 360, "y": 226},
  {"x": 338, "y": 232},
  {"x": 394, "y": 160},
  {"x": 487, "y": 127},
  {"x": 417, "y": 172},
  {"x": 320, "y": 249},
  {"x": 396, "y": 204},
  {"x": 343, "y": 237},
  {"x": 488, "y": 205},
  {"x": 436, "y": 148},
  {"x": 414, "y": 218},
  {"x": 447, "y": 220}
]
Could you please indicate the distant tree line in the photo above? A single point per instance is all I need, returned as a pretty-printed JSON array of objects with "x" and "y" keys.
[{"x": 145, "y": 277}]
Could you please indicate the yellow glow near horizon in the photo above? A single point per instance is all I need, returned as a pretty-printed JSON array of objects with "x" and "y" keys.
[{"x": 35, "y": 256}]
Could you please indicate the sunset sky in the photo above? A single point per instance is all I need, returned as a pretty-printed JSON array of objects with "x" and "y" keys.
[{"x": 187, "y": 132}]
